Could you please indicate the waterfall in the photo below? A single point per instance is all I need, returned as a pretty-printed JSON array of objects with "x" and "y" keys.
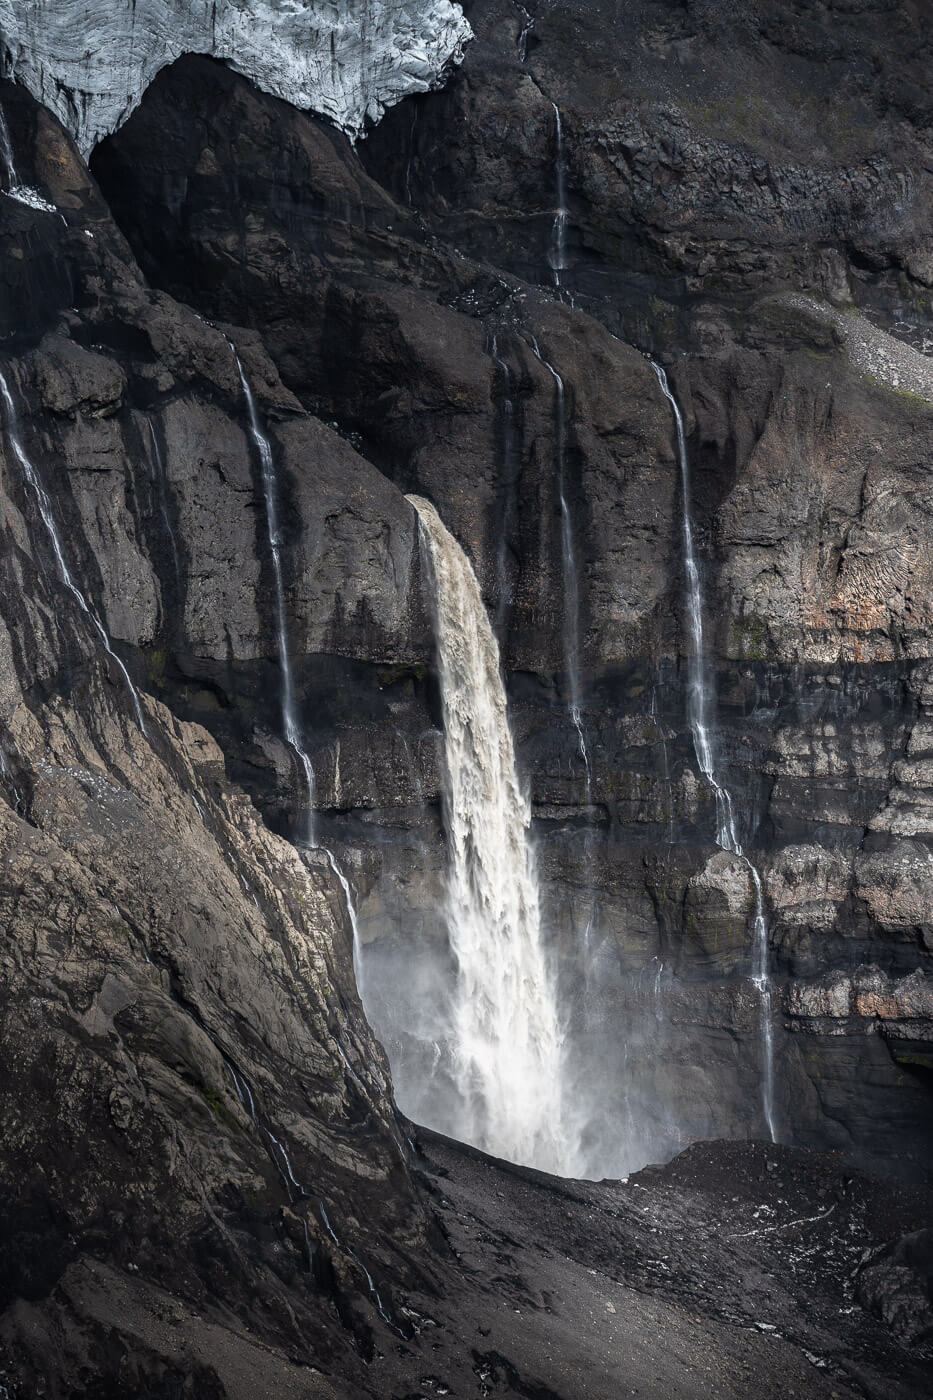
[
  {"x": 48, "y": 520},
  {"x": 23, "y": 194},
  {"x": 352, "y": 916},
  {"x": 6, "y": 155},
  {"x": 571, "y": 627},
  {"x": 527, "y": 25},
  {"x": 558, "y": 254},
  {"x": 506, "y": 1033},
  {"x": 411, "y": 155},
  {"x": 270, "y": 494},
  {"x": 511, "y": 466},
  {"x": 162, "y": 486},
  {"x": 699, "y": 687}
]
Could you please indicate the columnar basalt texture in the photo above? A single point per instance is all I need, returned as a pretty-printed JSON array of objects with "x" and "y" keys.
[{"x": 347, "y": 59}]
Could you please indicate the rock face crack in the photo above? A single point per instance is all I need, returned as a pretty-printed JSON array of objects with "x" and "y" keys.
[{"x": 345, "y": 59}]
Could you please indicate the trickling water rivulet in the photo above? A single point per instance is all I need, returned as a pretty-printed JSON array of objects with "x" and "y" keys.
[
  {"x": 558, "y": 253},
  {"x": 162, "y": 488},
  {"x": 48, "y": 520},
  {"x": 510, "y": 470},
  {"x": 506, "y": 1032},
  {"x": 270, "y": 495},
  {"x": 23, "y": 194},
  {"x": 6, "y": 155},
  {"x": 571, "y": 628},
  {"x": 698, "y": 705}
]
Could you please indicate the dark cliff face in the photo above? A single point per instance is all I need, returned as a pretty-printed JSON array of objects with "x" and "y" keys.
[
  {"x": 191, "y": 1094},
  {"x": 809, "y": 429},
  {"x": 180, "y": 1012}
]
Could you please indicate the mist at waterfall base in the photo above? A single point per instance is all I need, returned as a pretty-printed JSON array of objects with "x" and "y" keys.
[{"x": 633, "y": 1081}]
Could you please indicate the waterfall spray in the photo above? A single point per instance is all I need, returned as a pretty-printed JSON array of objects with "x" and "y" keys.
[
  {"x": 48, "y": 520},
  {"x": 270, "y": 495},
  {"x": 698, "y": 706},
  {"x": 506, "y": 1033}
]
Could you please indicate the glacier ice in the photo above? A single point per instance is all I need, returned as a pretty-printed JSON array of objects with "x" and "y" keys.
[{"x": 346, "y": 59}]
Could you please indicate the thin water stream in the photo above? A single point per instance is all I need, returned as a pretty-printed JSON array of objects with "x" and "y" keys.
[
  {"x": 699, "y": 704},
  {"x": 48, "y": 520},
  {"x": 570, "y": 577},
  {"x": 558, "y": 253},
  {"x": 290, "y": 726}
]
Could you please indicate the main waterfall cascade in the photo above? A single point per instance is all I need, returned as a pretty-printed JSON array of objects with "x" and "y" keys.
[
  {"x": 48, "y": 520},
  {"x": 485, "y": 1044},
  {"x": 506, "y": 1043},
  {"x": 699, "y": 689}
]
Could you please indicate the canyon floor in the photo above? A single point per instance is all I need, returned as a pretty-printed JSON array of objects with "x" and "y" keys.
[{"x": 737, "y": 1270}]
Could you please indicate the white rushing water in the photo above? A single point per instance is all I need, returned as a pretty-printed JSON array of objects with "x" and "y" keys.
[
  {"x": 527, "y": 20},
  {"x": 506, "y": 1032},
  {"x": 290, "y": 725},
  {"x": 6, "y": 154},
  {"x": 48, "y": 520},
  {"x": 699, "y": 690},
  {"x": 558, "y": 253},
  {"x": 23, "y": 194}
]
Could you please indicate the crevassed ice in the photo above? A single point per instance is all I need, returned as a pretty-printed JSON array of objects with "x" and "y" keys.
[{"x": 346, "y": 59}]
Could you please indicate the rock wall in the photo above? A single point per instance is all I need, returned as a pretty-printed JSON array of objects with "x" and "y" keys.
[{"x": 809, "y": 469}]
